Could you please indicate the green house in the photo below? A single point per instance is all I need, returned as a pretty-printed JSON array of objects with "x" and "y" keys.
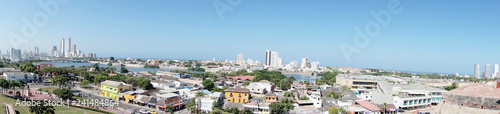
[{"x": 112, "y": 88}]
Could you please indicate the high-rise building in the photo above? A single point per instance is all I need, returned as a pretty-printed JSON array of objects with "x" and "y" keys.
[
  {"x": 315, "y": 65},
  {"x": 294, "y": 64},
  {"x": 275, "y": 59},
  {"x": 486, "y": 71},
  {"x": 268, "y": 57},
  {"x": 53, "y": 52},
  {"x": 304, "y": 62},
  {"x": 240, "y": 59},
  {"x": 62, "y": 47},
  {"x": 67, "y": 47},
  {"x": 15, "y": 55},
  {"x": 476, "y": 71},
  {"x": 495, "y": 71}
]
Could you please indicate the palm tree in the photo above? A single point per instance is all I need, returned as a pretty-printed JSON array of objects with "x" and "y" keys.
[
  {"x": 13, "y": 84},
  {"x": 385, "y": 107},
  {"x": 21, "y": 85},
  {"x": 3, "y": 84},
  {"x": 25, "y": 77}
]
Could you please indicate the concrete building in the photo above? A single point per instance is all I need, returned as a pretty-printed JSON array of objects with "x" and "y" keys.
[
  {"x": 304, "y": 62},
  {"x": 315, "y": 65},
  {"x": 487, "y": 72},
  {"x": 240, "y": 59},
  {"x": 416, "y": 99},
  {"x": 18, "y": 76},
  {"x": 476, "y": 71},
  {"x": 268, "y": 57},
  {"x": 478, "y": 98},
  {"x": 495, "y": 71},
  {"x": 15, "y": 55},
  {"x": 355, "y": 82},
  {"x": 237, "y": 95},
  {"x": 62, "y": 47}
]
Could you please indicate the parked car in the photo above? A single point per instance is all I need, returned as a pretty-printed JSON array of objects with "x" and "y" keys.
[{"x": 143, "y": 111}]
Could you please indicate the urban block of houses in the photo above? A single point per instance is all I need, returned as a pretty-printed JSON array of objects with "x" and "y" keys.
[
  {"x": 205, "y": 104},
  {"x": 112, "y": 88},
  {"x": 237, "y": 95}
]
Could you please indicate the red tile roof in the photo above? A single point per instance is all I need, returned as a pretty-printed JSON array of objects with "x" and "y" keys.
[
  {"x": 368, "y": 105},
  {"x": 247, "y": 77}
]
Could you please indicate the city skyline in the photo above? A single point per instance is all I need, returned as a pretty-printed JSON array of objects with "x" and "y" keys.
[{"x": 415, "y": 40}]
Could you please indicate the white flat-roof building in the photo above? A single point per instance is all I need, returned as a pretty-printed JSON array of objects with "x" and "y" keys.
[{"x": 18, "y": 76}]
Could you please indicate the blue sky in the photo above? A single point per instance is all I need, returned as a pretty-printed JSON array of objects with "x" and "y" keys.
[{"x": 426, "y": 36}]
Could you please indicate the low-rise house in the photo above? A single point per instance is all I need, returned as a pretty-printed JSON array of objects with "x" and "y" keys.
[
  {"x": 112, "y": 88},
  {"x": 271, "y": 98},
  {"x": 269, "y": 86},
  {"x": 237, "y": 95},
  {"x": 241, "y": 79},
  {"x": 371, "y": 109},
  {"x": 259, "y": 89}
]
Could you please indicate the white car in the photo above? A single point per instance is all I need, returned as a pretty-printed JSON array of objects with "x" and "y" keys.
[{"x": 142, "y": 111}]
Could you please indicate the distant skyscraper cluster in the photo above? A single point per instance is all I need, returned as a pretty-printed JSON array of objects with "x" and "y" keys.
[
  {"x": 66, "y": 49},
  {"x": 273, "y": 59},
  {"x": 487, "y": 72}
]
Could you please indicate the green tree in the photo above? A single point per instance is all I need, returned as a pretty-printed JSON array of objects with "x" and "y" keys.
[
  {"x": 342, "y": 111},
  {"x": 452, "y": 87},
  {"x": 60, "y": 80},
  {"x": 145, "y": 84},
  {"x": 304, "y": 98},
  {"x": 13, "y": 84},
  {"x": 22, "y": 84},
  {"x": 200, "y": 94},
  {"x": 110, "y": 64},
  {"x": 4, "y": 84},
  {"x": 333, "y": 94},
  {"x": 345, "y": 88},
  {"x": 63, "y": 93},
  {"x": 28, "y": 67},
  {"x": 246, "y": 111},
  {"x": 123, "y": 70},
  {"x": 288, "y": 94},
  {"x": 333, "y": 110},
  {"x": 277, "y": 108},
  {"x": 233, "y": 110},
  {"x": 42, "y": 108},
  {"x": 111, "y": 58},
  {"x": 170, "y": 109},
  {"x": 208, "y": 84},
  {"x": 84, "y": 82},
  {"x": 246, "y": 83}
]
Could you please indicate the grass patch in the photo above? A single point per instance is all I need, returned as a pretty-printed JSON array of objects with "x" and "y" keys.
[
  {"x": 50, "y": 89},
  {"x": 59, "y": 109},
  {"x": 2, "y": 109}
]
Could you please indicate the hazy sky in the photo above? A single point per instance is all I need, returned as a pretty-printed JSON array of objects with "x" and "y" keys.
[{"x": 426, "y": 35}]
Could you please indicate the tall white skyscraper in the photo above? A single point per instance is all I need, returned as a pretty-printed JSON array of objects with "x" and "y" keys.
[
  {"x": 304, "y": 62},
  {"x": 274, "y": 59},
  {"x": 15, "y": 55},
  {"x": 315, "y": 65},
  {"x": 476, "y": 71},
  {"x": 67, "y": 47},
  {"x": 268, "y": 57},
  {"x": 62, "y": 47},
  {"x": 495, "y": 71},
  {"x": 240, "y": 59},
  {"x": 487, "y": 71}
]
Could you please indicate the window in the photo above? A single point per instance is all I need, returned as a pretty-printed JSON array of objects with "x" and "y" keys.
[{"x": 405, "y": 102}]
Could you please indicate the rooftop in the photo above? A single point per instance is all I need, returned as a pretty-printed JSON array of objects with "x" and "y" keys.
[
  {"x": 489, "y": 89},
  {"x": 368, "y": 105},
  {"x": 236, "y": 89},
  {"x": 111, "y": 83}
]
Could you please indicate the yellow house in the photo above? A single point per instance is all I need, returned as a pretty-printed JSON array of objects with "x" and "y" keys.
[
  {"x": 237, "y": 95},
  {"x": 112, "y": 88}
]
